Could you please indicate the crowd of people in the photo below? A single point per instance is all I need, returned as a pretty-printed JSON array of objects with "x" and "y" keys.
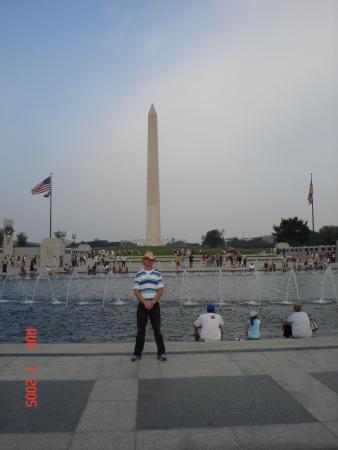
[
  {"x": 107, "y": 268},
  {"x": 184, "y": 257},
  {"x": 108, "y": 261},
  {"x": 234, "y": 259},
  {"x": 225, "y": 258},
  {"x": 21, "y": 264},
  {"x": 308, "y": 261}
]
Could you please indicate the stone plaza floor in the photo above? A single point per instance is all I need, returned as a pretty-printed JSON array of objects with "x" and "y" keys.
[{"x": 269, "y": 394}]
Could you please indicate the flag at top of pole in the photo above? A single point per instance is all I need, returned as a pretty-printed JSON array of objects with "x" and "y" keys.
[
  {"x": 44, "y": 187},
  {"x": 310, "y": 196}
]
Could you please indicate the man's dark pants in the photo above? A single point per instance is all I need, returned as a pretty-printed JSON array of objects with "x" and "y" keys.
[{"x": 154, "y": 315}]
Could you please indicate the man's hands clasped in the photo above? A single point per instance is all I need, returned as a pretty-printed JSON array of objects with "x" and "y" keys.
[{"x": 149, "y": 305}]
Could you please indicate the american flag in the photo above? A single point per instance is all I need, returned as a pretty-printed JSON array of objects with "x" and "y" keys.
[
  {"x": 43, "y": 187},
  {"x": 310, "y": 196}
]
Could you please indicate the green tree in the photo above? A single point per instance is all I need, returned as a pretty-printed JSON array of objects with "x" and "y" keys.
[
  {"x": 22, "y": 239},
  {"x": 328, "y": 234},
  {"x": 294, "y": 231},
  {"x": 213, "y": 238},
  {"x": 256, "y": 242}
]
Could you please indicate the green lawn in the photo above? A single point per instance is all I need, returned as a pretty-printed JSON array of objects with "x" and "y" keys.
[{"x": 169, "y": 250}]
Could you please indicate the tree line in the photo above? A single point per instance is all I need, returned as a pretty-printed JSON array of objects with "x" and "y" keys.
[{"x": 292, "y": 230}]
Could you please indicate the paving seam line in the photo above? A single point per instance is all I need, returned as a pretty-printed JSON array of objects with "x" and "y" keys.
[{"x": 174, "y": 352}]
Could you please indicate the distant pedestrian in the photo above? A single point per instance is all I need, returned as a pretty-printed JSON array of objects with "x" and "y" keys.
[
  {"x": 178, "y": 259},
  {"x": 4, "y": 264},
  {"x": 33, "y": 265}
]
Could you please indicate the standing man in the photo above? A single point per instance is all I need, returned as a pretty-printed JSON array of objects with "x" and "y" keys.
[{"x": 148, "y": 288}]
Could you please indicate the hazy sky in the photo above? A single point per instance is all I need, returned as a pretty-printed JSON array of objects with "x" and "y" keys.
[{"x": 247, "y": 99}]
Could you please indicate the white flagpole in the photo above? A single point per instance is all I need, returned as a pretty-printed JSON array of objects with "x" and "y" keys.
[
  {"x": 313, "y": 220},
  {"x": 50, "y": 206}
]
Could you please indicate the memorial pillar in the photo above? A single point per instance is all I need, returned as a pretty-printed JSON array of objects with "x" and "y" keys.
[{"x": 8, "y": 237}]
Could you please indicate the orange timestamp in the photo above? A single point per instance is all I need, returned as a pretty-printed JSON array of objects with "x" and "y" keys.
[{"x": 31, "y": 383}]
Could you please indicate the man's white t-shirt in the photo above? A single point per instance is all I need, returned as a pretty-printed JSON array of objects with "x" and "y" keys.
[
  {"x": 210, "y": 326},
  {"x": 300, "y": 324}
]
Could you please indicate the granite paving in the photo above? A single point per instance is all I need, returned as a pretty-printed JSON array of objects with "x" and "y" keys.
[
  {"x": 329, "y": 379},
  {"x": 272, "y": 394}
]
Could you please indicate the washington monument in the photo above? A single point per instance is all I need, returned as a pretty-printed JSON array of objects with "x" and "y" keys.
[{"x": 153, "y": 183}]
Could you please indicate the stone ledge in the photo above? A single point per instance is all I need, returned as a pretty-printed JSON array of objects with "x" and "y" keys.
[{"x": 173, "y": 347}]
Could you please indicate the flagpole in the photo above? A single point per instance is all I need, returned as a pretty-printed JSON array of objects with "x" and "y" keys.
[
  {"x": 50, "y": 206},
  {"x": 313, "y": 220}
]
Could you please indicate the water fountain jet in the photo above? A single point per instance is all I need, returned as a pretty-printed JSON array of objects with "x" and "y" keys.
[
  {"x": 292, "y": 277},
  {"x": 43, "y": 274},
  {"x": 186, "y": 291},
  {"x": 111, "y": 277},
  {"x": 327, "y": 275}
]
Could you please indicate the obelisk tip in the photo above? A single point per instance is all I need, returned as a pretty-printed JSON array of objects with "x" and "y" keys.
[{"x": 152, "y": 109}]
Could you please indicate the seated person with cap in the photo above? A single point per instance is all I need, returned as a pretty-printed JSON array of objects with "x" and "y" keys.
[{"x": 209, "y": 326}]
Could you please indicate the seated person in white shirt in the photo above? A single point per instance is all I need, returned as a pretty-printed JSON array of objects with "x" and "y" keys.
[
  {"x": 209, "y": 326},
  {"x": 300, "y": 323}
]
